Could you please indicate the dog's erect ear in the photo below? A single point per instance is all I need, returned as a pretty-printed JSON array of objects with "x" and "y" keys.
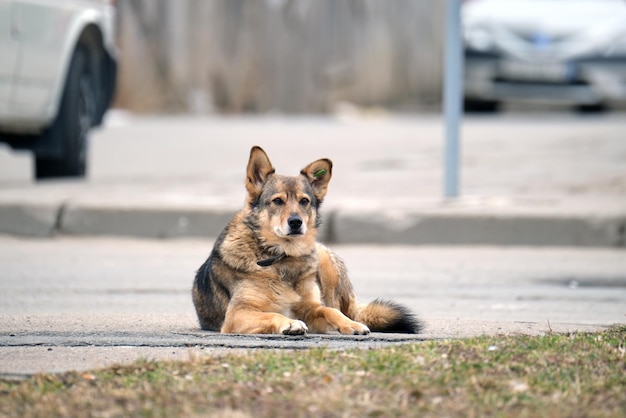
[
  {"x": 259, "y": 169},
  {"x": 319, "y": 173}
]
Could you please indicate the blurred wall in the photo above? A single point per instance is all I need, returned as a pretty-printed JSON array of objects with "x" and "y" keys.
[{"x": 291, "y": 56}]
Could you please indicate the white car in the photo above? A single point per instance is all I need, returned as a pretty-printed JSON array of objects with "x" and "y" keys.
[
  {"x": 57, "y": 78},
  {"x": 555, "y": 51}
]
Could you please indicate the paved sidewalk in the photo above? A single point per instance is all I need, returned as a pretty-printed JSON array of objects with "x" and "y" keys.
[{"x": 525, "y": 180}]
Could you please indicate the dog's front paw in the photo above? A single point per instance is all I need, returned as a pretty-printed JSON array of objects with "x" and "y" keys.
[
  {"x": 354, "y": 328},
  {"x": 294, "y": 328}
]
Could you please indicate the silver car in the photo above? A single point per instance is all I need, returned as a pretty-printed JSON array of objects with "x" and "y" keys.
[
  {"x": 569, "y": 52},
  {"x": 57, "y": 77}
]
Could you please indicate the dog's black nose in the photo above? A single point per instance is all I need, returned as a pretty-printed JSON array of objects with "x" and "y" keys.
[{"x": 295, "y": 222}]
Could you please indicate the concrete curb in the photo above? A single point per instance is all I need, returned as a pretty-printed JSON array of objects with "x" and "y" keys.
[
  {"x": 35, "y": 220},
  {"x": 448, "y": 226},
  {"x": 480, "y": 228},
  {"x": 143, "y": 222}
]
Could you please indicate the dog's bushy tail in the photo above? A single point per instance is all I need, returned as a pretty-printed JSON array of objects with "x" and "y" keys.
[{"x": 388, "y": 316}]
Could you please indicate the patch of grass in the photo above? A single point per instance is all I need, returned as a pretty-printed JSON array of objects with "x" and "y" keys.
[{"x": 573, "y": 375}]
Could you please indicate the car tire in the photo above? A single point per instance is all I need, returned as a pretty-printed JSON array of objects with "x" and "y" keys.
[
  {"x": 591, "y": 108},
  {"x": 72, "y": 124},
  {"x": 480, "y": 106}
]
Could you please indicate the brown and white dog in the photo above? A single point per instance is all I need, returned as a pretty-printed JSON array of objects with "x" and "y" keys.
[{"x": 267, "y": 274}]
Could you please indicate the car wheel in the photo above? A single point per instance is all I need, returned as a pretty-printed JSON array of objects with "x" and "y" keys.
[{"x": 72, "y": 123}]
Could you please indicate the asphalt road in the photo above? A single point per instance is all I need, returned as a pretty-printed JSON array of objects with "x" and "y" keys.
[{"x": 77, "y": 303}]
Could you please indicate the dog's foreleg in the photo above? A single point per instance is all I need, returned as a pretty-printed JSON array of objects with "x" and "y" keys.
[
  {"x": 322, "y": 319},
  {"x": 242, "y": 321}
]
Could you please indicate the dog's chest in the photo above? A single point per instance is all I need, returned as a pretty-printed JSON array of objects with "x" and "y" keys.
[{"x": 292, "y": 273}]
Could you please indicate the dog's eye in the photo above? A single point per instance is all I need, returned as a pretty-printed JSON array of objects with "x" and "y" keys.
[
  {"x": 278, "y": 201},
  {"x": 304, "y": 201}
]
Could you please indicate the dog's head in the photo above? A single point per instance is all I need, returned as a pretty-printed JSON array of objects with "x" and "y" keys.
[{"x": 286, "y": 207}]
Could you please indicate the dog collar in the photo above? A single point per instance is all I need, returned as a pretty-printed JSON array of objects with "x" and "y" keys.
[{"x": 266, "y": 262}]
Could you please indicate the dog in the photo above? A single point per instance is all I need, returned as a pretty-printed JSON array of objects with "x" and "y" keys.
[{"x": 267, "y": 274}]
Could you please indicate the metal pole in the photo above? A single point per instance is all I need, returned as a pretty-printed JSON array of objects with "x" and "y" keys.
[{"x": 453, "y": 91}]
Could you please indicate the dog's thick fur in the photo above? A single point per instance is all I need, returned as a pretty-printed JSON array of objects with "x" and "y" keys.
[{"x": 268, "y": 275}]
